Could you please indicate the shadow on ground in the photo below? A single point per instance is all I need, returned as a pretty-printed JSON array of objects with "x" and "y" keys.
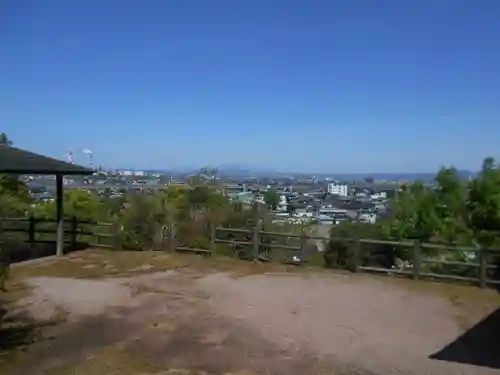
[
  {"x": 477, "y": 346},
  {"x": 15, "y": 333},
  {"x": 20, "y": 252}
]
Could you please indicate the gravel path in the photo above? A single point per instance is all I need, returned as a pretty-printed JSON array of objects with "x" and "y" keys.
[{"x": 276, "y": 324}]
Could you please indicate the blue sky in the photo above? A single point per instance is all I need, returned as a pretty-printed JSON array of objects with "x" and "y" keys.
[{"x": 321, "y": 86}]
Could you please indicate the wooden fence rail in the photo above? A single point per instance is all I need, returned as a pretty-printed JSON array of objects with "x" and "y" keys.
[
  {"x": 256, "y": 244},
  {"x": 37, "y": 231}
]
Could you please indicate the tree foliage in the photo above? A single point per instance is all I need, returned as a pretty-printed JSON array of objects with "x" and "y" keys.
[
  {"x": 483, "y": 205},
  {"x": 451, "y": 212},
  {"x": 4, "y": 140},
  {"x": 84, "y": 205},
  {"x": 14, "y": 201},
  {"x": 15, "y": 197},
  {"x": 414, "y": 214},
  {"x": 271, "y": 198}
]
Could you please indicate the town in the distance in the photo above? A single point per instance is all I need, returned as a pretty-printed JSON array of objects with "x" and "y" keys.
[{"x": 322, "y": 199}]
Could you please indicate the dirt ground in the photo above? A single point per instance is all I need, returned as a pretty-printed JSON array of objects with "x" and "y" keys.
[{"x": 145, "y": 314}]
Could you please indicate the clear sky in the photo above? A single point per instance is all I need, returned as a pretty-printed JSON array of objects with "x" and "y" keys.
[{"x": 311, "y": 85}]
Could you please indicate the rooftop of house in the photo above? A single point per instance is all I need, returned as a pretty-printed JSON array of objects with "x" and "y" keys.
[{"x": 324, "y": 217}]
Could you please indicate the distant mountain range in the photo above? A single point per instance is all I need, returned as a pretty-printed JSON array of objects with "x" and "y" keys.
[
  {"x": 235, "y": 170},
  {"x": 257, "y": 172}
]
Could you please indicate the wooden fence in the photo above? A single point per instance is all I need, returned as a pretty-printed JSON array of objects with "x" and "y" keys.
[
  {"x": 30, "y": 238},
  {"x": 259, "y": 245}
]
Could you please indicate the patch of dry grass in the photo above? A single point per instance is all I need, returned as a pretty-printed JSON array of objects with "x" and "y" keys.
[
  {"x": 119, "y": 359},
  {"x": 111, "y": 360},
  {"x": 452, "y": 291},
  {"x": 235, "y": 267},
  {"x": 93, "y": 264}
]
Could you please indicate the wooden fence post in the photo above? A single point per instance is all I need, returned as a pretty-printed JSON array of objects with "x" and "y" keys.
[
  {"x": 213, "y": 236},
  {"x": 117, "y": 235},
  {"x": 74, "y": 228},
  {"x": 357, "y": 247},
  {"x": 171, "y": 236},
  {"x": 483, "y": 268},
  {"x": 303, "y": 243},
  {"x": 157, "y": 238},
  {"x": 164, "y": 237},
  {"x": 356, "y": 255},
  {"x": 31, "y": 231},
  {"x": 256, "y": 240},
  {"x": 417, "y": 259}
]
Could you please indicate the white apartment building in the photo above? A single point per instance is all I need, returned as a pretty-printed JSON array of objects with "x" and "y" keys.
[
  {"x": 379, "y": 195},
  {"x": 338, "y": 189}
]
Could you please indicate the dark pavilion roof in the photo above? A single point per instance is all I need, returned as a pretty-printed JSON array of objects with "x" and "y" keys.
[{"x": 15, "y": 160}]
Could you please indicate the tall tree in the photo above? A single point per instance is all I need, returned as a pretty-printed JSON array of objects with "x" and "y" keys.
[
  {"x": 415, "y": 215},
  {"x": 484, "y": 204},
  {"x": 4, "y": 140},
  {"x": 271, "y": 198},
  {"x": 451, "y": 207}
]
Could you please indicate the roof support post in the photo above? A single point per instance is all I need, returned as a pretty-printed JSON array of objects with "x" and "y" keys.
[{"x": 59, "y": 215}]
